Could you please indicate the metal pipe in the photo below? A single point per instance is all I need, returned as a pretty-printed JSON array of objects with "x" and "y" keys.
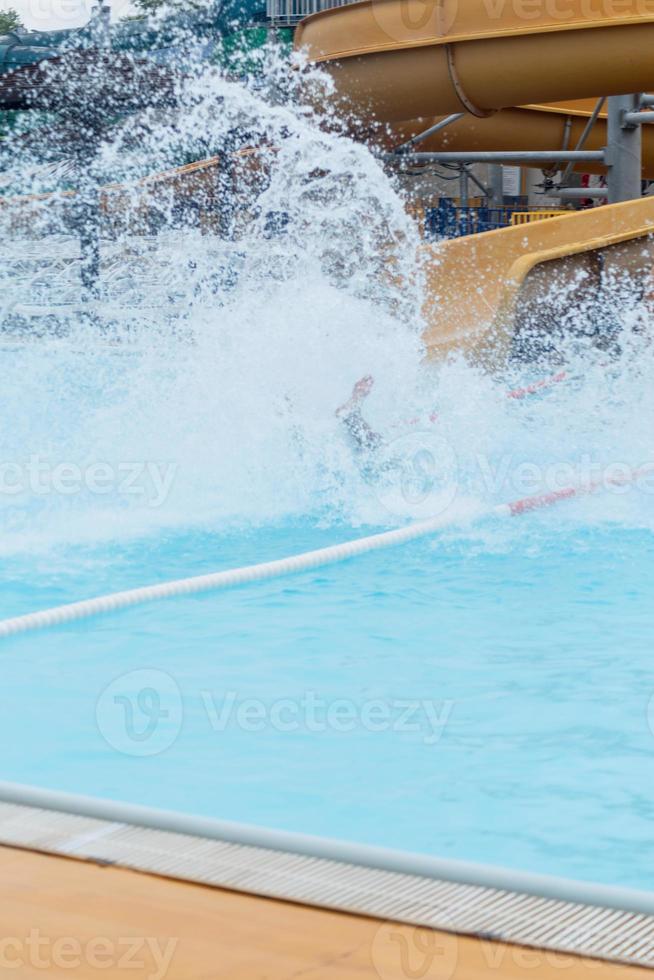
[
  {"x": 463, "y": 188},
  {"x": 362, "y": 855},
  {"x": 637, "y": 118},
  {"x": 436, "y": 128},
  {"x": 486, "y": 191},
  {"x": 624, "y": 150},
  {"x": 579, "y": 193},
  {"x": 496, "y": 175},
  {"x": 567, "y": 129},
  {"x": 510, "y": 156},
  {"x": 584, "y": 136},
  {"x": 646, "y": 101}
]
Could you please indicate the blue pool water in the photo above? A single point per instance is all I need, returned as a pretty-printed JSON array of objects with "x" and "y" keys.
[{"x": 483, "y": 696}]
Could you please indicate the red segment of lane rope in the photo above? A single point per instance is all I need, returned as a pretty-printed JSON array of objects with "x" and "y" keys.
[
  {"x": 542, "y": 500},
  {"x": 432, "y": 419},
  {"x": 537, "y": 386},
  {"x": 309, "y": 560},
  {"x": 517, "y": 393}
]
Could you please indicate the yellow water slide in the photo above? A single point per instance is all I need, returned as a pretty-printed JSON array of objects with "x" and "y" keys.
[
  {"x": 485, "y": 291},
  {"x": 412, "y": 59},
  {"x": 402, "y": 63}
]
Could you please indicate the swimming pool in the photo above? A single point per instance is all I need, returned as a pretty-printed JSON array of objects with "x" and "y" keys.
[
  {"x": 483, "y": 697},
  {"x": 483, "y": 693}
]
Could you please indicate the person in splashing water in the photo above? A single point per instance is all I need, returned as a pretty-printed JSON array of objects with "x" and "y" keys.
[
  {"x": 362, "y": 435},
  {"x": 364, "y": 438},
  {"x": 411, "y": 468}
]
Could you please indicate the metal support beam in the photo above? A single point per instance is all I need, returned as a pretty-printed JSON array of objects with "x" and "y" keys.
[
  {"x": 496, "y": 175},
  {"x": 522, "y": 156},
  {"x": 588, "y": 128},
  {"x": 486, "y": 191},
  {"x": 624, "y": 150},
  {"x": 436, "y": 128},
  {"x": 638, "y": 118},
  {"x": 463, "y": 188},
  {"x": 578, "y": 193}
]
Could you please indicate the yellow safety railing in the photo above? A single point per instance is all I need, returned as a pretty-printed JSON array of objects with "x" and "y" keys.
[{"x": 526, "y": 217}]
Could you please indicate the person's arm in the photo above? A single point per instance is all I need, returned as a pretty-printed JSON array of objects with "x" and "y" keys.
[{"x": 363, "y": 435}]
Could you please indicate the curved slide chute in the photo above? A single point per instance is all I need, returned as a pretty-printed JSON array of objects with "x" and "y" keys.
[
  {"x": 394, "y": 60},
  {"x": 487, "y": 293},
  {"x": 401, "y": 63}
]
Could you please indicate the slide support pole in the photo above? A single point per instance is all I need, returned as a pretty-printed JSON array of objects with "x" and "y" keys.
[
  {"x": 463, "y": 188},
  {"x": 579, "y": 193},
  {"x": 624, "y": 150},
  {"x": 421, "y": 137},
  {"x": 526, "y": 158},
  {"x": 496, "y": 181}
]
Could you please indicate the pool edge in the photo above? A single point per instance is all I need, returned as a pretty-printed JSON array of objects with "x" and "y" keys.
[{"x": 598, "y": 922}]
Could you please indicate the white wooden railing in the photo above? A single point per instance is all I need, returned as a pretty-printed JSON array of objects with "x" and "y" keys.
[{"x": 287, "y": 13}]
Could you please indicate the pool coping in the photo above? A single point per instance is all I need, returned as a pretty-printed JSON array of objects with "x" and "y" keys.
[{"x": 597, "y": 922}]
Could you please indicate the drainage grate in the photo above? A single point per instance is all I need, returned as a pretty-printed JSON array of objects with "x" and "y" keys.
[{"x": 512, "y": 917}]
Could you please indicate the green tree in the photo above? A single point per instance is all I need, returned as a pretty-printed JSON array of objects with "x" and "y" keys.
[{"x": 9, "y": 21}]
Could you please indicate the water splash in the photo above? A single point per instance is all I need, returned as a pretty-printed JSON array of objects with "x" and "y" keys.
[{"x": 198, "y": 389}]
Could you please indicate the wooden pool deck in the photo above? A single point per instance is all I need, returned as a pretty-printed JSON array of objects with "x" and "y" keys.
[
  {"x": 100, "y": 888},
  {"x": 64, "y": 917}
]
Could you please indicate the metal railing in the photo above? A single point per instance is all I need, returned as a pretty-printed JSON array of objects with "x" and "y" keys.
[
  {"x": 450, "y": 220},
  {"x": 526, "y": 217},
  {"x": 288, "y": 13}
]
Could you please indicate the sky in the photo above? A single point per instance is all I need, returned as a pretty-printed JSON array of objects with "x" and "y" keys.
[{"x": 43, "y": 15}]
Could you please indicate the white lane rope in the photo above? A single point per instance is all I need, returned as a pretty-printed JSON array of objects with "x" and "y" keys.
[{"x": 215, "y": 581}]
